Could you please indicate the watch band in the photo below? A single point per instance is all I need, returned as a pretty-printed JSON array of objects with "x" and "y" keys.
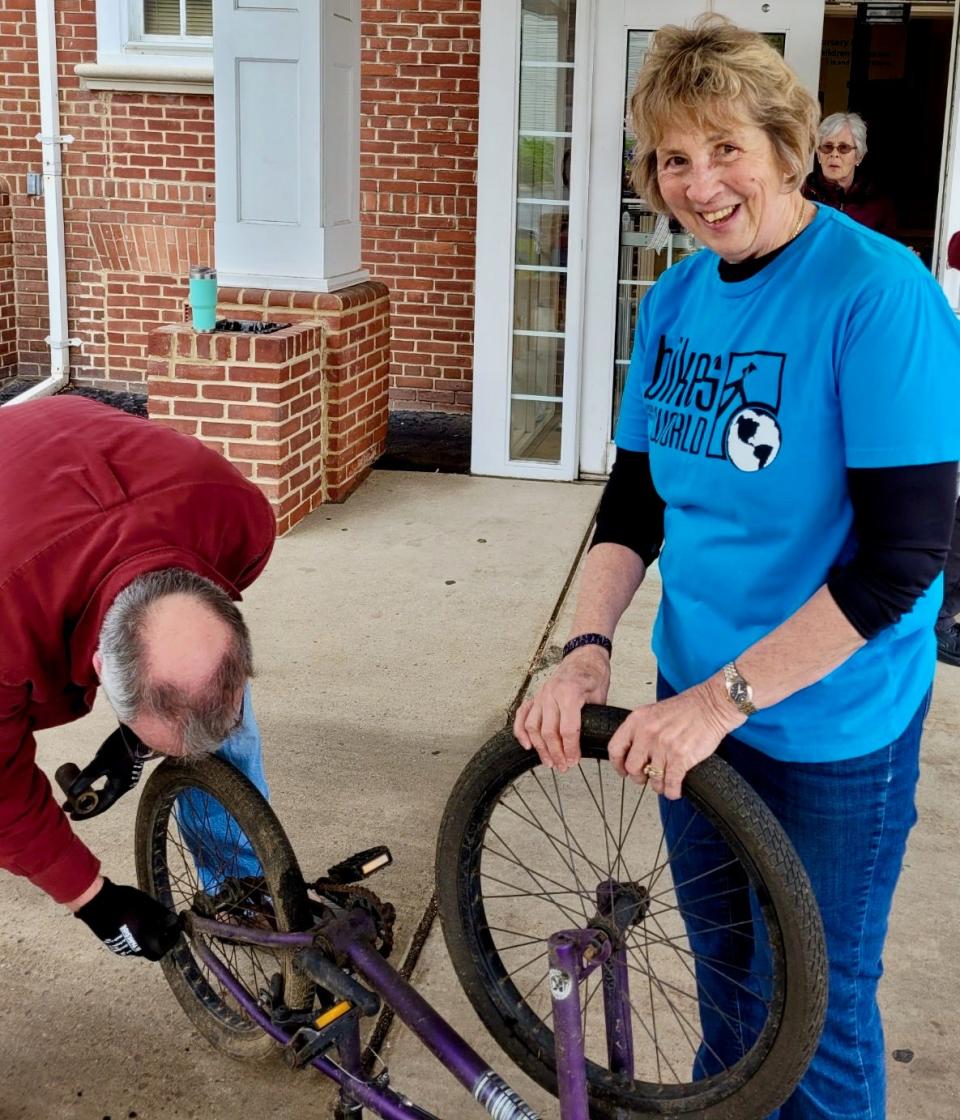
[
  {"x": 588, "y": 640},
  {"x": 740, "y": 693}
]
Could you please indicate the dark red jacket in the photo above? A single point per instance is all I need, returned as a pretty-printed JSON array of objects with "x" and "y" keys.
[
  {"x": 864, "y": 202},
  {"x": 90, "y": 498}
]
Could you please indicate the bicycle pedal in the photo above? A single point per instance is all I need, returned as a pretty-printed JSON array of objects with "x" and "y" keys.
[
  {"x": 325, "y": 1032},
  {"x": 361, "y": 865}
]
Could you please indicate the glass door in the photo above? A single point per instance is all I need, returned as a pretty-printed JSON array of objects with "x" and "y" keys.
[
  {"x": 530, "y": 261},
  {"x": 629, "y": 246}
]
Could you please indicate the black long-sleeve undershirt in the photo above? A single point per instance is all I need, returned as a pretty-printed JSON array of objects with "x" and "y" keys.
[{"x": 903, "y": 519}]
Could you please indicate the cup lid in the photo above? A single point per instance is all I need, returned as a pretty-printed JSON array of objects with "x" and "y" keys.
[{"x": 202, "y": 272}]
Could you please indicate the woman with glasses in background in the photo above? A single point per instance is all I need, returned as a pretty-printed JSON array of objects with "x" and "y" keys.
[{"x": 837, "y": 179}]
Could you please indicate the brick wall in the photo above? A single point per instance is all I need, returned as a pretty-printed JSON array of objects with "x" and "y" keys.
[
  {"x": 8, "y": 322},
  {"x": 139, "y": 196},
  {"x": 419, "y": 97},
  {"x": 138, "y": 200}
]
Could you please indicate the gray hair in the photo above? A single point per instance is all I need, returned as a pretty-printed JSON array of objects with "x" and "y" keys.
[
  {"x": 832, "y": 124},
  {"x": 203, "y": 719}
]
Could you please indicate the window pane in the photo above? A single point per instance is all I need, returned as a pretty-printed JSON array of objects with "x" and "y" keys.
[
  {"x": 199, "y": 17},
  {"x": 535, "y": 428},
  {"x": 537, "y": 366},
  {"x": 546, "y": 98},
  {"x": 539, "y": 301},
  {"x": 547, "y": 30},
  {"x": 543, "y": 187},
  {"x": 162, "y": 17},
  {"x": 542, "y": 233},
  {"x": 543, "y": 167}
]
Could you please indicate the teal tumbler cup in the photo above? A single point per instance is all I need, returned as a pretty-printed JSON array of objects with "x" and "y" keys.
[{"x": 203, "y": 297}]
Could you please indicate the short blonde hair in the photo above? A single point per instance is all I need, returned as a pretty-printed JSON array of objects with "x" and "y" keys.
[{"x": 716, "y": 72}]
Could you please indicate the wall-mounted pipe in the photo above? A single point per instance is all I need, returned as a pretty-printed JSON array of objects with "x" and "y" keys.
[{"x": 50, "y": 142}]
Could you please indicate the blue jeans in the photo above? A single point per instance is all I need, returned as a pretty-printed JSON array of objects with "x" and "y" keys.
[
  {"x": 219, "y": 848},
  {"x": 849, "y": 822}
]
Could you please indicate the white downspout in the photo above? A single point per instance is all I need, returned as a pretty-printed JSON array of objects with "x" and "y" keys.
[{"x": 50, "y": 141}]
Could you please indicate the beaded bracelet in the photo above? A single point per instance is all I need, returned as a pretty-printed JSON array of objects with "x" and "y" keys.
[{"x": 589, "y": 640}]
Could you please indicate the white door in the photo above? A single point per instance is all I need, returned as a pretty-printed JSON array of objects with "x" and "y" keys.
[
  {"x": 949, "y": 214},
  {"x": 627, "y": 248}
]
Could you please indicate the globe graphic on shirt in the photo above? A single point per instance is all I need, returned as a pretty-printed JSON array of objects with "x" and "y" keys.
[{"x": 753, "y": 439}]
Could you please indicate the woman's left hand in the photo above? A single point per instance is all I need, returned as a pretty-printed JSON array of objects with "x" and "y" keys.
[{"x": 672, "y": 736}]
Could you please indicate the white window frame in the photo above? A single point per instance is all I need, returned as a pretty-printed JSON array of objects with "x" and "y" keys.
[{"x": 129, "y": 60}]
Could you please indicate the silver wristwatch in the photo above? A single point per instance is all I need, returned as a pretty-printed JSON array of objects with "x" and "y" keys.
[{"x": 737, "y": 689}]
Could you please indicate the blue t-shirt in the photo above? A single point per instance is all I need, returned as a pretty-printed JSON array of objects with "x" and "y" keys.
[{"x": 753, "y": 398}]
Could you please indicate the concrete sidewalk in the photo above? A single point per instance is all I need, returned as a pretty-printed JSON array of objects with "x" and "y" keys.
[{"x": 392, "y": 635}]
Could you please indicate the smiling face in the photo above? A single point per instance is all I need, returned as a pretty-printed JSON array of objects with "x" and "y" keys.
[
  {"x": 838, "y": 159},
  {"x": 726, "y": 186}
]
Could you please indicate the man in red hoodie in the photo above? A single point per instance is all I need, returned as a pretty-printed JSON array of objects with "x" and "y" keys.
[{"x": 122, "y": 547}]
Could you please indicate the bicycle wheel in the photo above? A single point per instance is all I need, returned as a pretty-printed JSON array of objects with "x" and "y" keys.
[
  {"x": 718, "y": 933},
  {"x": 206, "y": 839}
]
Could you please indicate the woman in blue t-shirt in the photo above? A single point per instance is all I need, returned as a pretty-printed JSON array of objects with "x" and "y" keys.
[{"x": 786, "y": 446}]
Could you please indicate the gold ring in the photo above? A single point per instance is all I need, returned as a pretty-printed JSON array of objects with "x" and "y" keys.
[{"x": 652, "y": 772}]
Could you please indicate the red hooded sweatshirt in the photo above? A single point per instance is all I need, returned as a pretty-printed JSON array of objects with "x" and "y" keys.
[{"x": 90, "y": 498}]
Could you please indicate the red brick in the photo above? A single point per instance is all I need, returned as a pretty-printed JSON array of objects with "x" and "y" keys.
[{"x": 226, "y": 431}]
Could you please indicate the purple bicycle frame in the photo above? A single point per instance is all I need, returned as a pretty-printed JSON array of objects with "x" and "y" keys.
[{"x": 353, "y": 940}]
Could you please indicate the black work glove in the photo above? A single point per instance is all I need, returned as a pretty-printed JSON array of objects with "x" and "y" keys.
[
  {"x": 130, "y": 923},
  {"x": 120, "y": 760}
]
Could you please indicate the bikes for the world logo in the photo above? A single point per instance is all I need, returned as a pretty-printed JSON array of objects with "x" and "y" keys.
[{"x": 723, "y": 408}]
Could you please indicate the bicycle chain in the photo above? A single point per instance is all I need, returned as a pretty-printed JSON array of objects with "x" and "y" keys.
[{"x": 384, "y": 913}]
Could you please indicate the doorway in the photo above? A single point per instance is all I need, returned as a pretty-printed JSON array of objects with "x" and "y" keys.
[{"x": 892, "y": 67}]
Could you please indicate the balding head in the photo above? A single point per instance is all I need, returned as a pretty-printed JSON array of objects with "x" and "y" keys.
[{"x": 173, "y": 660}]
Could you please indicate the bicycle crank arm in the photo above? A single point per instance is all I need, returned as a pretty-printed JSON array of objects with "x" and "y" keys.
[{"x": 324, "y": 972}]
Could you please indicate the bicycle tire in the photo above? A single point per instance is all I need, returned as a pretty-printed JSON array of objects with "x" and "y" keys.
[
  {"x": 750, "y": 1089},
  {"x": 158, "y": 873}
]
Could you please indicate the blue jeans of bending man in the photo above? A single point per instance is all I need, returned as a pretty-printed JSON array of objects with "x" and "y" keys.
[
  {"x": 219, "y": 848},
  {"x": 848, "y": 821}
]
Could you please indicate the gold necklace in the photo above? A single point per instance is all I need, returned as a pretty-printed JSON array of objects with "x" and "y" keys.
[{"x": 796, "y": 228}]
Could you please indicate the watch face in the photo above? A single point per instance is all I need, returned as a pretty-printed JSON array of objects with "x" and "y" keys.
[{"x": 739, "y": 692}]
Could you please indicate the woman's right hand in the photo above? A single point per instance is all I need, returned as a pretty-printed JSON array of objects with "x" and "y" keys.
[{"x": 549, "y": 723}]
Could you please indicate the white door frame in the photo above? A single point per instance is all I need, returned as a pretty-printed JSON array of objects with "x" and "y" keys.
[
  {"x": 496, "y": 240},
  {"x": 800, "y": 20},
  {"x": 948, "y": 208}
]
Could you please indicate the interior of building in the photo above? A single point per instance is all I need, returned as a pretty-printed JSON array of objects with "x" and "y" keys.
[{"x": 891, "y": 64}]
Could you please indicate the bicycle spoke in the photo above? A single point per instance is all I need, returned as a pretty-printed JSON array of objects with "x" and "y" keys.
[
  {"x": 607, "y": 834},
  {"x": 555, "y": 841},
  {"x": 563, "y": 910},
  {"x": 533, "y": 960},
  {"x": 668, "y": 941}
]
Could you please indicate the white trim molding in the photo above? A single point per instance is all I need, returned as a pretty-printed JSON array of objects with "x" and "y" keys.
[
  {"x": 146, "y": 76},
  {"x": 292, "y": 283}
]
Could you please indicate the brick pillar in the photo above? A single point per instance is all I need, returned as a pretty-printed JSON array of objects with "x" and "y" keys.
[{"x": 302, "y": 411}]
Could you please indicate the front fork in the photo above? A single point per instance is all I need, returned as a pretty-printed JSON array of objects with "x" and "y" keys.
[{"x": 573, "y": 956}]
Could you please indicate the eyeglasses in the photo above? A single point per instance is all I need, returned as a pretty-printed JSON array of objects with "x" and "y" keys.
[{"x": 841, "y": 149}]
